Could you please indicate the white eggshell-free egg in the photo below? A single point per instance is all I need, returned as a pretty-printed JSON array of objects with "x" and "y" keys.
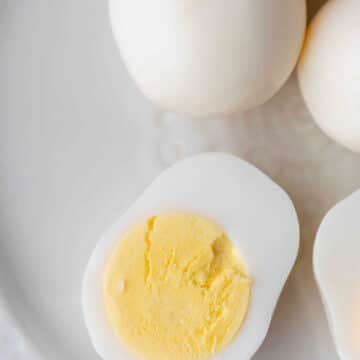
[
  {"x": 337, "y": 271},
  {"x": 209, "y": 57},
  {"x": 256, "y": 214},
  {"x": 329, "y": 71}
]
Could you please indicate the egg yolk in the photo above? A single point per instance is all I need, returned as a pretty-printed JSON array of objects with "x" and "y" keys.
[{"x": 175, "y": 288}]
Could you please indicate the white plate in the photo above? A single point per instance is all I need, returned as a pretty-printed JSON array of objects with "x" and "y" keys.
[{"x": 77, "y": 145}]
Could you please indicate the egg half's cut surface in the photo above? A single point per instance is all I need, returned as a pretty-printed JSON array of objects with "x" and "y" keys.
[
  {"x": 337, "y": 271},
  {"x": 329, "y": 71},
  {"x": 191, "y": 296},
  {"x": 209, "y": 57},
  {"x": 194, "y": 268}
]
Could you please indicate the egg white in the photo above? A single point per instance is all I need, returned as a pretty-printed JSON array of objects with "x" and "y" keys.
[
  {"x": 209, "y": 57},
  {"x": 329, "y": 71},
  {"x": 256, "y": 214},
  {"x": 337, "y": 271}
]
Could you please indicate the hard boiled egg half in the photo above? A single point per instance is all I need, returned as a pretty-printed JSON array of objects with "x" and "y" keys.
[
  {"x": 194, "y": 268},
  {"x": 337, "y": 271},
  {"x": 210, "y": 56}
]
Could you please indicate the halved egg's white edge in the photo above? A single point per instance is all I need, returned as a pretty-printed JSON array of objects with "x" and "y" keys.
[
  {"x": 256, "y": 214},
  {"x": 336, "y": 264}
]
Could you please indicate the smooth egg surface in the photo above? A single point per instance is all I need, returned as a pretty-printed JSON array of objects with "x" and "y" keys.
[
  {"x": 209, "y": 57},
  {"x": 329, "y": 71}
]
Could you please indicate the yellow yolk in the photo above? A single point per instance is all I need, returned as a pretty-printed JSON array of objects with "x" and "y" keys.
[{"x": 175, "y": 288}]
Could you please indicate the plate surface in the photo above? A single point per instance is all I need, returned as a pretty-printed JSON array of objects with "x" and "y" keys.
[{"x": 78, "y": 143}]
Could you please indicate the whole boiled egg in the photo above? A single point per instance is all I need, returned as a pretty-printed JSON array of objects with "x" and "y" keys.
[
  {"x": 329, "y": 71},
  {"x": 337, "y": 271},
  {"x": 210, "y": 56},
  {"x": 194, "y": 268}
]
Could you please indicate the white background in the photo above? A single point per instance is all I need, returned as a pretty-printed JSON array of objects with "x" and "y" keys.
[{"x": 78, "y": 143}]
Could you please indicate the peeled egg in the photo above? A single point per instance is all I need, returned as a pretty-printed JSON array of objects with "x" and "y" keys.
[
  {"x": 337, "y": 271},
  {"x": 329, "y": 71},
  {"x": 255, "y": 230},
  {"x": 209, "y": 57}
]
